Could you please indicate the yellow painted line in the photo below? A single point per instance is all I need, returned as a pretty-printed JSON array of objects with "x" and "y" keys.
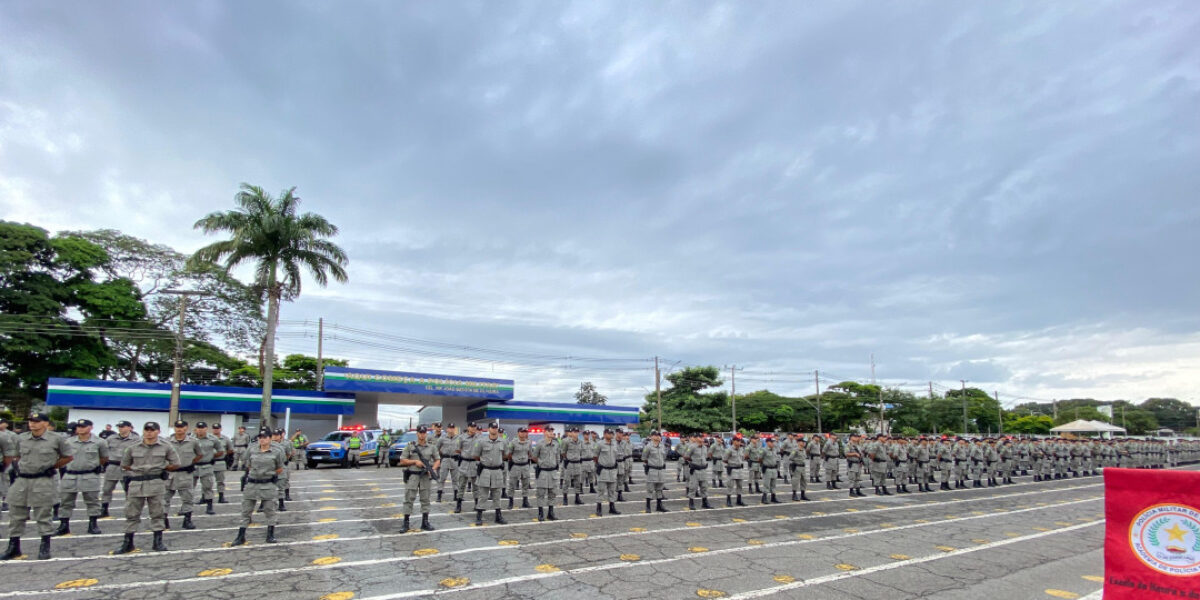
[
  {"x": 1041, "y": 529},
  {"x": 784, "y": 578},
  {"x": 338, "y": 596},
  {"x": 214, "y": 572},
  {"x": 804, "y": 536},
  {"x": 780, "y": 516},
  {"x": 819, "y": 513},
  {"x": 692, "y": 524},
  {"x": 737, "y": 520},
  {"x": 328, "y": 536},
  {"x": 454, "y": 582},
  {"x": 509, "y": 542},
  {"x": 1063, "y": 523},
  {"x": 950, "y": 517},
  {"x": 76, "y": 583},
  {"x": 637, "y": 530},
  {"x": 546, "y": 569},
  {"x": 579, "y": 536},
  {"x": 887, "y": 525},
  {"x": 388, "y": 505},
  {"x": 630, "y": 557},
  {"x": 703, "y": 593},
  {"x": 978, "y": 512},
  {"x": 882, "y": 506},
  {"x": 1062, "y": 594},
  {"x": 981, "y": 541},
  {"x": 379, "y": 496},
  {"x": 326, "y": 499},
  {"x": 920, "y": 520},
  {"x": 900, "y": 557},
  {"x": 845, "y": 567},
  {"x": 946, "y": 548},
  {"x": 851, "y": 510},
  {"x": 328, "y": 508},
  {"x": 425, "y": 551},
  {"x": 1011, "y": 534},
  {"x": 1096, "y": 578},
  {"x": 850, "y": 530},
  {"x": 328, "y": 491},
  {"x": 326, "y": 520},
  {"x": 754, "y": 542},
  {"x": 327, "y": 560},
  {"x": 398, "y": 516},
  {"x": 697, "y": 549}
]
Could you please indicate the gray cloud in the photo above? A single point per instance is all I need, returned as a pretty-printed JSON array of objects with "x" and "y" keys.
[{"x": 998, "y": 193}]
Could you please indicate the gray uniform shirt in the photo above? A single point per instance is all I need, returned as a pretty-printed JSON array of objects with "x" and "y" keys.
[
  {"x": 83, "y": 472},
  {"x": 491, "y": 456},
  {"x": 547, "y": 455},
  {"x": 116, "y": 450},
  {"x": 148, "y": 461},
  {"x": 188, "y": 451},
  {"x": 655, "y": 457},
  {"x": 606, "y": 461}
]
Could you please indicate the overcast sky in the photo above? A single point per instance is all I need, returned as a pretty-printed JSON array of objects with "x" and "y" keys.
[{"x": 1002, "y": 192}]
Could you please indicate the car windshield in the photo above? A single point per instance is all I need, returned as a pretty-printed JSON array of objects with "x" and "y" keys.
[
  {"x": 408, "y": 436},
  {"x": 335, "y": 436},
  {"x": 635, "y": 439},
  {"x": 537, "y": 438}
]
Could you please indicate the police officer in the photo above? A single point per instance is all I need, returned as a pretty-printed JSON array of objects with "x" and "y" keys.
[
  {"x": 147, "y": 465},
  {"x": 654, "y": 461},
  {"x": 419, "y": 459},
  {"x": 223, "y": 459},
  {"x": 832, "y": 452},
  {"x": 181, "y": 479},
  {"x": 263, "y": 466},
  {"x": 241, "y": 441},
  {"x": 572, "y": 478},
  {"x": 608, "y": 456},
  {"x": 116, "y": 449},
  {"x": 300, "y": 442},
  {"x": 204, "y": 469},
  {"x": 696, "y": 462},
  {"x": 490, "y": 476},
  {"x": 736, "y": 459},
  {"x": 447, "y": 449},
  {"x": 39, "y": 454},
  {"x": 89, "y": 455},
  {"x": 813, "y": 449},
  {"x": 800, "y": 480},
  {"x": 283, "y": 483},
  {"x": 468, "y": 467},
  {"x": 547, "y": 457},
  {"x": 8, "y": 441},
  {"x": 587, "y": 461},
  {"x": 518, "y": 452},
  {"x": 855, "y": 455},
  {"x": 624, "y": 462},
  {"x": 877, "y": 452},
  {"x": 382, "y": 450},
  {"x": 354, "y": 449},
  {"x": 770, "y": 470}
]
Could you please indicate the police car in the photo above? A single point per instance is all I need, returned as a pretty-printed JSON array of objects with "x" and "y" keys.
[
  {"x": 332, "y": 449},
  {"x": 398, "y": 446}
]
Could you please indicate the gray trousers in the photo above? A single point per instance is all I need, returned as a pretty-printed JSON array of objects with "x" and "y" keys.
[
  {"x": 18, "y": 515},
  {"x": 187, "y": 498},
  {"x": 878, "y": 473},
  {"x": 522, "y": 474},
  {"x": 853, "y": 474},
  {"x": 698, "y": 484},
  {"x": 207, "y": 484},
  {"x": 91, "y": 500},
  {"x": 255, "y": 493},
  {"x": 417, "y": 486},
  {"x": 133, "y": 513},
  {"x": 445, "y": 473},
  {"x": 606, "y": 491},
  {"x": 770, "y": 475},
  {"x": 799, "y": 478},
  {"x": 831, "y": 469}
]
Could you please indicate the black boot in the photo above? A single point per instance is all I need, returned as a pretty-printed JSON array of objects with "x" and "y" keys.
[
  {"x": 525, "y": 502},
  {"x": 774, "y": 500},
  {"x": 287, "y": 494},
  {"x": 510, "y": 502},
  {"x": 500, "y": 518},
  {"x": 439, "y": 496},
  {"x": 591, "y": 488},
  {"x": 126, "y": 546},
  {"x": 221, "y": 498},
  {"x": 187, "y": 521},
  {"x": 763, "y": 500},
  {"x": 271, "y": 534},
  {"x": 704, "y": 503},
  {"x": 104, "y": 511},
  {"x": 550, "y": 514},
  {"x": 885, "y": 492},
  {"x": 93, "y": 527},
  {"x": 237, "y": 541},
  {"x": 739, "y": 500},
  {"x": 620, "y": 496},
  {"x": 158, "y": 546},
  {"x": 64, "y": 527},
  {"x": 577, "y": 500},
  {"x": 503, "y": 494},
  {"x": 648, "y": 504},
  {"x": 479, "y": 517},
  {"x": 14, "y": 548},
  {"x": 425, "y": 526},
  {"x": 44, "y": 548},
  {"x": 797, "y": 499},
  {"x": 978, "y": 484},
  {"x": 945, "y": 486},
  {"x": 167, "y": 521},
  {"x": 692, "y": 503},
  {"x": 833, "y": 484},
  {"x": 208, "y": 509},
  {"x": 599, "y": 512},
  {"x": 565, "y": 499},
  {"x": 612, "y": 509},
  {"x": 282, "y": 508},
  {"x": 728, "y": 501},
  {"x": 541, "y": 514},
  {"x": 404, "y": 527},
  {"x": 659, "y": 506},
  {"x": 56, "y": 510}
]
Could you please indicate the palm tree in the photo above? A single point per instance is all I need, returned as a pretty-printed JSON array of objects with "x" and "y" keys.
[{"x": 268, "y": 233}]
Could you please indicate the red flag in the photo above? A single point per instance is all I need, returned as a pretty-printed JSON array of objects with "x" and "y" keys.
[{"x": 1152, "y": 537}]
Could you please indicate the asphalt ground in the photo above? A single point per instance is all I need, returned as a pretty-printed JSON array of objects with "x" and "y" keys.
[{"x": 341, "y": 539}]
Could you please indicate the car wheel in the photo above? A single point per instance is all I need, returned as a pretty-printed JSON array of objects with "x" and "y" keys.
[{"x": 312, "y": 464}]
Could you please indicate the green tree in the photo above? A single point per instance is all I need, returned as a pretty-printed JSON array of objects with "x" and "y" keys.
[
  {"x": 1171, "y": 413},
  {"x": 54, "y": 311},
  {"x": 587, "y": 394},
  {"x": 269, "y": 233},
  {"x": 686, "y": 407},
  {"x": 849, "y": 403}
]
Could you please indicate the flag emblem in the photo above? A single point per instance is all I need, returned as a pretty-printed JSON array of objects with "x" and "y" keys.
[{"x": 1166, "y": 538}]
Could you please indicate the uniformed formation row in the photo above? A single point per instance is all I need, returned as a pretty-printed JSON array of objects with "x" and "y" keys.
[
  {"x": 46, "y": 472},
  {"x": 48, "y": 469}
]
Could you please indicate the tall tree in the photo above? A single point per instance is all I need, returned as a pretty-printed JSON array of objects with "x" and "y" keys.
[
  {"x": 587, "y": 394},
  {"x": 686, "y": 407},
  {"x": 281, "y": 243}
]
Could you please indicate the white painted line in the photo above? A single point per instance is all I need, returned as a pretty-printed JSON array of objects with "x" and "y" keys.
[
  {"x": 377, "y": 536},
  {"x": 402, "y": 559},
  {"x": 1096, "y": 595}
]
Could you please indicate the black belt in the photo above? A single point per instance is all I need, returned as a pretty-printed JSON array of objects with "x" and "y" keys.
[
  {"x": 145, "y": 477},
  {"x": 571, "y": 462},
  {"x": 187, "y": 469},
  {"x": 95, "y": 471},
  {"x": 878, "y": 461},
  {"x": 922, "y": 462},
  {"x": 467, "y": 459},
  {"x": 35, "y": 475},
  {"x": 270, "y": 480},
  {"x": 517, "y": 464},
  {"x": 205, "y": 463},
  {"x": 414, "y": 472},
  {"x": 654, "y": 467},
  {"x": 492, "y": 468}
]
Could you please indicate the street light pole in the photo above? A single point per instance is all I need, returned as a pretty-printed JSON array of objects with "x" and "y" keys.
[
  {"x": 177, "y": 376},
  {"x": 964, "y": 399}
]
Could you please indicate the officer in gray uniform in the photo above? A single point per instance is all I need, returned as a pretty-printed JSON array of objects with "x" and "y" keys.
[
  {"x": 204, "y": 468},
  {"x": 944, "y": 453},
  {"x": 419, "y": 459},
  {"x": 489, "y": 482},
  {"x": 117, "y": 444},
  {"x": 832, "y": 451},
  {"x": 446, "y": 447},
  {"x": 547, "y": 458},
  {"x": 182, "y": 480},
  {"x": 877, "y": 452},
  {"x": 223, "y": 458},
  {"x": 8, "y": 441},
  {"x": 468, "y": 467},
  {"x": 654, "y": 460},
  {"x": 696, "y": 462},
  {"x": 520, "y": 470},
  {"x": 283, "y": 446},
  {"x": 608, "y": 456},
  {"x": 978, "y": 459},
  {"x": 587, "y": 461},
  {"x": 813, "y": 449},
  {"x": 89, "y": 455},
  {"x": 39, "y": 454},
  {"x": 919, "y": 454},
  {"x": 572, "y": 449},
  {"x": 241, "y": 441},
  {"x": 735, "y": 460},
  {"x": 770, "y": 470},
  {"x": 624, "y": 456},
  {"x": 263, "y": 465},
  {"x": 854, "y": 466},
  {"x": 796, "y": 469},
  {"x": 147, "y": 465}
]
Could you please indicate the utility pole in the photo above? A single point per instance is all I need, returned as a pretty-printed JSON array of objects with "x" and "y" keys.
[
  {"x": 817, "y": 382},
  {"x": 733, "y": 394},
  {"x": 1054, "y": 403},
  {"x": 658, "y": 391},
  {"x": 999, "y": 411},
  {"x": 177, "y": 376},
  {"x": 964, "y": 399},
  {"x": 879, "y": 391},
  {"x": 320, "y": 354}
]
